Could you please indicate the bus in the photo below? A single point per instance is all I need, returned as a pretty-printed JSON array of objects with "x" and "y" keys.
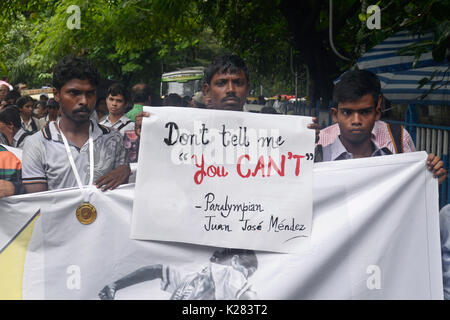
[{"x": 184, "y": 82}]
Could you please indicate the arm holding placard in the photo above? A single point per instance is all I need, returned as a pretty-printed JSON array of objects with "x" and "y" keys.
[
  {"x": 143, "y": 274},
  {"x": 138, "y": 123},
  {"x": 436, "y": 166},
  {"x": 315, "y": 126},
  {"x": 114, "y": 178}
]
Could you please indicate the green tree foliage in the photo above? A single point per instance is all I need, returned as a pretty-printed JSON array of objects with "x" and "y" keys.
[
  {"x": 256, "y": 31},
  {"x": 128, "y": 40},
  {"x": 137, "y": 40},
  {"x": 264, "y": 31},
  {"x": 15, "y": 53}
]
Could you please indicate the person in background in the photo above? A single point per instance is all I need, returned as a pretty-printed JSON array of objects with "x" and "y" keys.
[
  {"x": 142, "y": 96},
  {"x": 116, "y": 101},
  {"x": 4, "y": 89},
  {"x": 357, "y": 108},
  {"x": 391, "y": 136},
  {"x": 277, "y": 104},
  {"x": 29, "y": 123},
  {"x": 20, "y": 87},
  {"x": 12, "y": 96},
  {"x": 269, "y": 110},
  {"x": 101, "y": 109},
  {"x": 187, "y": 101},
  {"x": 173, "y": 100},
  {"x": 11, "y": 132},
  {"x": 10, "y": 174},
  {"x": 198, "y": 101},
  {"x": 53, "y": 113},
  {"x": 40, "y": 110},
  {"x": 43, "y": 98},
  {"x": 226, "y": 86},
  {"x": 261, "y": 101}
]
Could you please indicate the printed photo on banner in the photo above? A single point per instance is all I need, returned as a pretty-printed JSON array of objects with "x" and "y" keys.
[{"x": 224, "y": 278}]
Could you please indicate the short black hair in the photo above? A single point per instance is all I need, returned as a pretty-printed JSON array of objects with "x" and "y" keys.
[
  {"x": 118, "y": 88},
  {"x": 13, "y": 94},
  {"x": 173, "y": 99},
  {"x": 226, "y": 63},
  {"x": 71, "y": 67},
  {"x": 11, "y": 115},
  {"x": 140, "y": 92},
  {"x": 356, "y": 84},
  {"x": 23, "y": 100},
  {"x": 246, "y": 257},
  {"x": 97, "y": 104},
  {"x": 42, "y": 103},
  {"x": 52, "y": 103}
]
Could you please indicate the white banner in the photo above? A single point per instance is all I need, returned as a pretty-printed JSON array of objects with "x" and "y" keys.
[
  {"x": 375, "y": 235},
  {"x": 17, "y": 152},
  {"x": 224, "y": 178}
]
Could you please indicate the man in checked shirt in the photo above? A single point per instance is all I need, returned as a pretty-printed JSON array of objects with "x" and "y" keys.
[{"x": 358, "y": 133}]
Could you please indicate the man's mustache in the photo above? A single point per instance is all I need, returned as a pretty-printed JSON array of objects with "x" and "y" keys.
[
  {"x": 231, "y": 96},
  {"x": 82, "y": 109}
]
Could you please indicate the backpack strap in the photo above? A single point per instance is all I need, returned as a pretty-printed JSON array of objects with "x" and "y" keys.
[
  {"x": 46, "y": 132},
  {"x": 104, "y": 129},
  {"x": 396, "y": 133},
  {"x": 318, "y": 153},
  {"x": 22, "y": 137},
  {"x": 123, "y": 125},
  {"x": 386, "y": 150},
  {"x": 33, "y": 125}
]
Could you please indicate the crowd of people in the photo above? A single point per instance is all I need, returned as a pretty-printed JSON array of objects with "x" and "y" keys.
[{"x": 77, "y": 137}]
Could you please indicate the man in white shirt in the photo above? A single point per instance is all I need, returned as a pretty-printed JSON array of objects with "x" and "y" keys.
[
  {"x": 75, "y": 150},
  {"x": 116, "y": 101}
]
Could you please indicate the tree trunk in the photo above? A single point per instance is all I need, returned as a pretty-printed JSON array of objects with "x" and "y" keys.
[{"x": 302, "y": 17}]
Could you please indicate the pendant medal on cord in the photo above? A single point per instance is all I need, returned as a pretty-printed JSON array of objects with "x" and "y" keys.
[{"x": 85, "y": 212}]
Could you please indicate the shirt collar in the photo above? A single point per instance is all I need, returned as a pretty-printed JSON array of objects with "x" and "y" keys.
[
  {"x": 376, "y": 129},
  {"x": 23, "y": 121},
  {"x": 339, "y": 152},
  {"x": 56, "y": 136},
  {"x": 123, "y": 119},
  {"x": 18, "y": 134}
]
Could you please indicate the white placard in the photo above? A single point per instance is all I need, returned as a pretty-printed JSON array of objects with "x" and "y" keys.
[{"x": 224, "y": 178}]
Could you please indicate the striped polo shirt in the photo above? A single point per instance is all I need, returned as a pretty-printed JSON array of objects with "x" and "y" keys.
[
  {"x": 10, "y": 166},
  {"x": 45, "y": 159}
]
